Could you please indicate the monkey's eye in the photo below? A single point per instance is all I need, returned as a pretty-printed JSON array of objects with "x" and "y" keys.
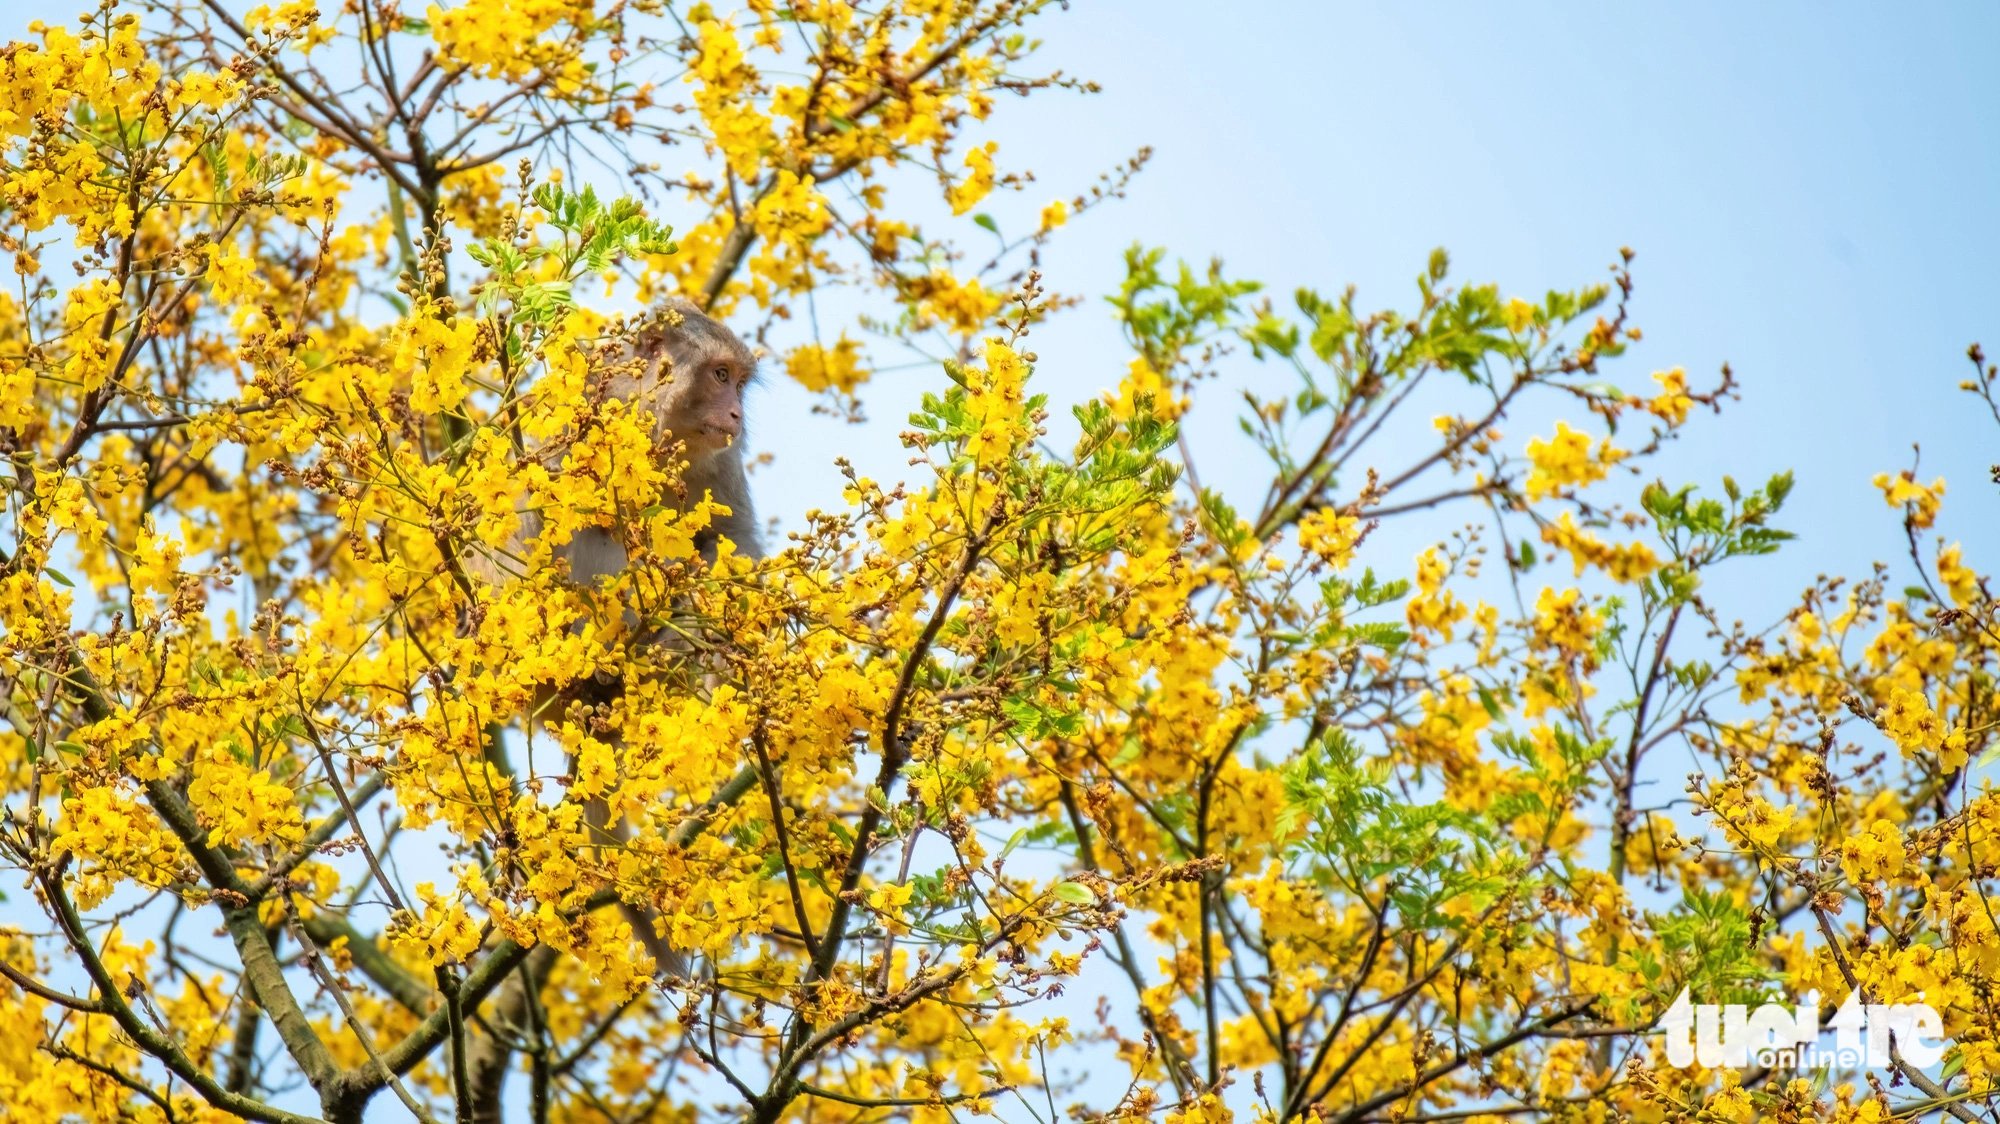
[{"x": 722, "y": 374}]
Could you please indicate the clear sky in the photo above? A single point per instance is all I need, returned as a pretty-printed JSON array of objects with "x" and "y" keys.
[{"x": 1811, "y": 189}]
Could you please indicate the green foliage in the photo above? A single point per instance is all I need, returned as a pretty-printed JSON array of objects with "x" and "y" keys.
[
  {"x": 1707, "y": 947},
  {"x": 1164, "y": 320},
  {"x": 1433, "y": 864},
  {"x": 594, "y": 234},
  {"x": 1700, "y": 532}
]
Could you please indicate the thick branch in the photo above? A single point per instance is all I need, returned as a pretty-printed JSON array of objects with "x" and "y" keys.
[
  {"x": 261, "y": 969},
  {"x": 153, "y": 1042}
]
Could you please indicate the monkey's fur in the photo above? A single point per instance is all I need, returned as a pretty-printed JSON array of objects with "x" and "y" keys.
[
  {"x": 690, "y": 374},
  {"x": 691, "y": 377}
]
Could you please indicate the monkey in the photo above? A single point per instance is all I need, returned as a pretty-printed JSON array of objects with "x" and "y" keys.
[
  {"x": 691, "y": 377},
  {"x": 690, "y": 373}
]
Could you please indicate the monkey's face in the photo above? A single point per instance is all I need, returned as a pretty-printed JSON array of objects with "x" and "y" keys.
[{"x": 704, "y": 394}]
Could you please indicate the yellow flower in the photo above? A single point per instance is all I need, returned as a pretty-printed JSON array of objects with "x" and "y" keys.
[
  {"x": 1672, "y": 403},
  {"x": 445, "y": 934},
  {"x": 1628, "y": 563},
  {"x": 1919, "y": 503},
  {"x": 17, "y": 393},
  {"x": 1205, "y": 1109},
  {"x": 978, "y": 182},
  {"x": 791, "y": 209},
  {"x": 69, "y": 509},
  {"x": 995, "y": 402},
  {"x": 1758, "y": 822},
  {"x": 1908, "y": 719},
  {"x": 91, "y": 305},
  {"x": 1960, "y": 581},
  {"x": 206, "y": 91},
  {"x": 499, "y": 38},
  {"x": 437, "y": 355},
  {"x": 1566, "y": 460},
  {"x": 724, "y": 95},
  {"x": 1434, "y": 608},
  {"x": 1874, "y": 854},
  {"x": 1731, "y": 1104},
  {"x": 818, "y": 368},
  {"x": 890, "y": 899},
  {"x": 1564, "y": 623},
  {"x": 241, "y": 807},
  {"x": 1330, "y": 535},
  {"x": 1142, "y": 380},
  {"x": 963, "y": 306}
]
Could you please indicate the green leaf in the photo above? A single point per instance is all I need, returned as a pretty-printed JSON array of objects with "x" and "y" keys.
[
  {"x": 1381, "y": 634},
  {"x": 1779, "y": 487},
  {"x": 1076, "y": 893},
  {"x": 58, "y": 577},
  {"x": 986, "y": 220}
]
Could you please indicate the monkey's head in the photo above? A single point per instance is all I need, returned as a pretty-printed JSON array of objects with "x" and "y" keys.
[{"x": 694, "y": 374}]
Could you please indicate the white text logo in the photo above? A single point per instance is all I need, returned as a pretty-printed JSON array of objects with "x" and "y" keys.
[{"x": 1738, "y": 1036}]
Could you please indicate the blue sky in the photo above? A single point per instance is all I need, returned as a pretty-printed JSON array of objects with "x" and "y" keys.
[{"x": 1810, "y": 188}]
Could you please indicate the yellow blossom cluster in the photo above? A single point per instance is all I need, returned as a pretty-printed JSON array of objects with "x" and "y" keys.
[
  {"x": 1919, "y": 501},
  {"x": 817, "y": 367},
  {"x": 1874, "y": 854},
  {"x": 1672, "y": 404},
  {"x": 978, "y": 182},
  {"x": 1563, "y": 621},
  {"x": 1629, "y": 562},
  {"x": 1330, "y": 535},
  {"x": 1434, "y": 608},
  {"x": 1567, "y": 460},
  {"x": 1142, "y": 381},
  {"x": 1916, "y": 728}
]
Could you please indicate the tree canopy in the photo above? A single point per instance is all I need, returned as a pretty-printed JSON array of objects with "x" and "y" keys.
[{"x": 1044, "y": 782}]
